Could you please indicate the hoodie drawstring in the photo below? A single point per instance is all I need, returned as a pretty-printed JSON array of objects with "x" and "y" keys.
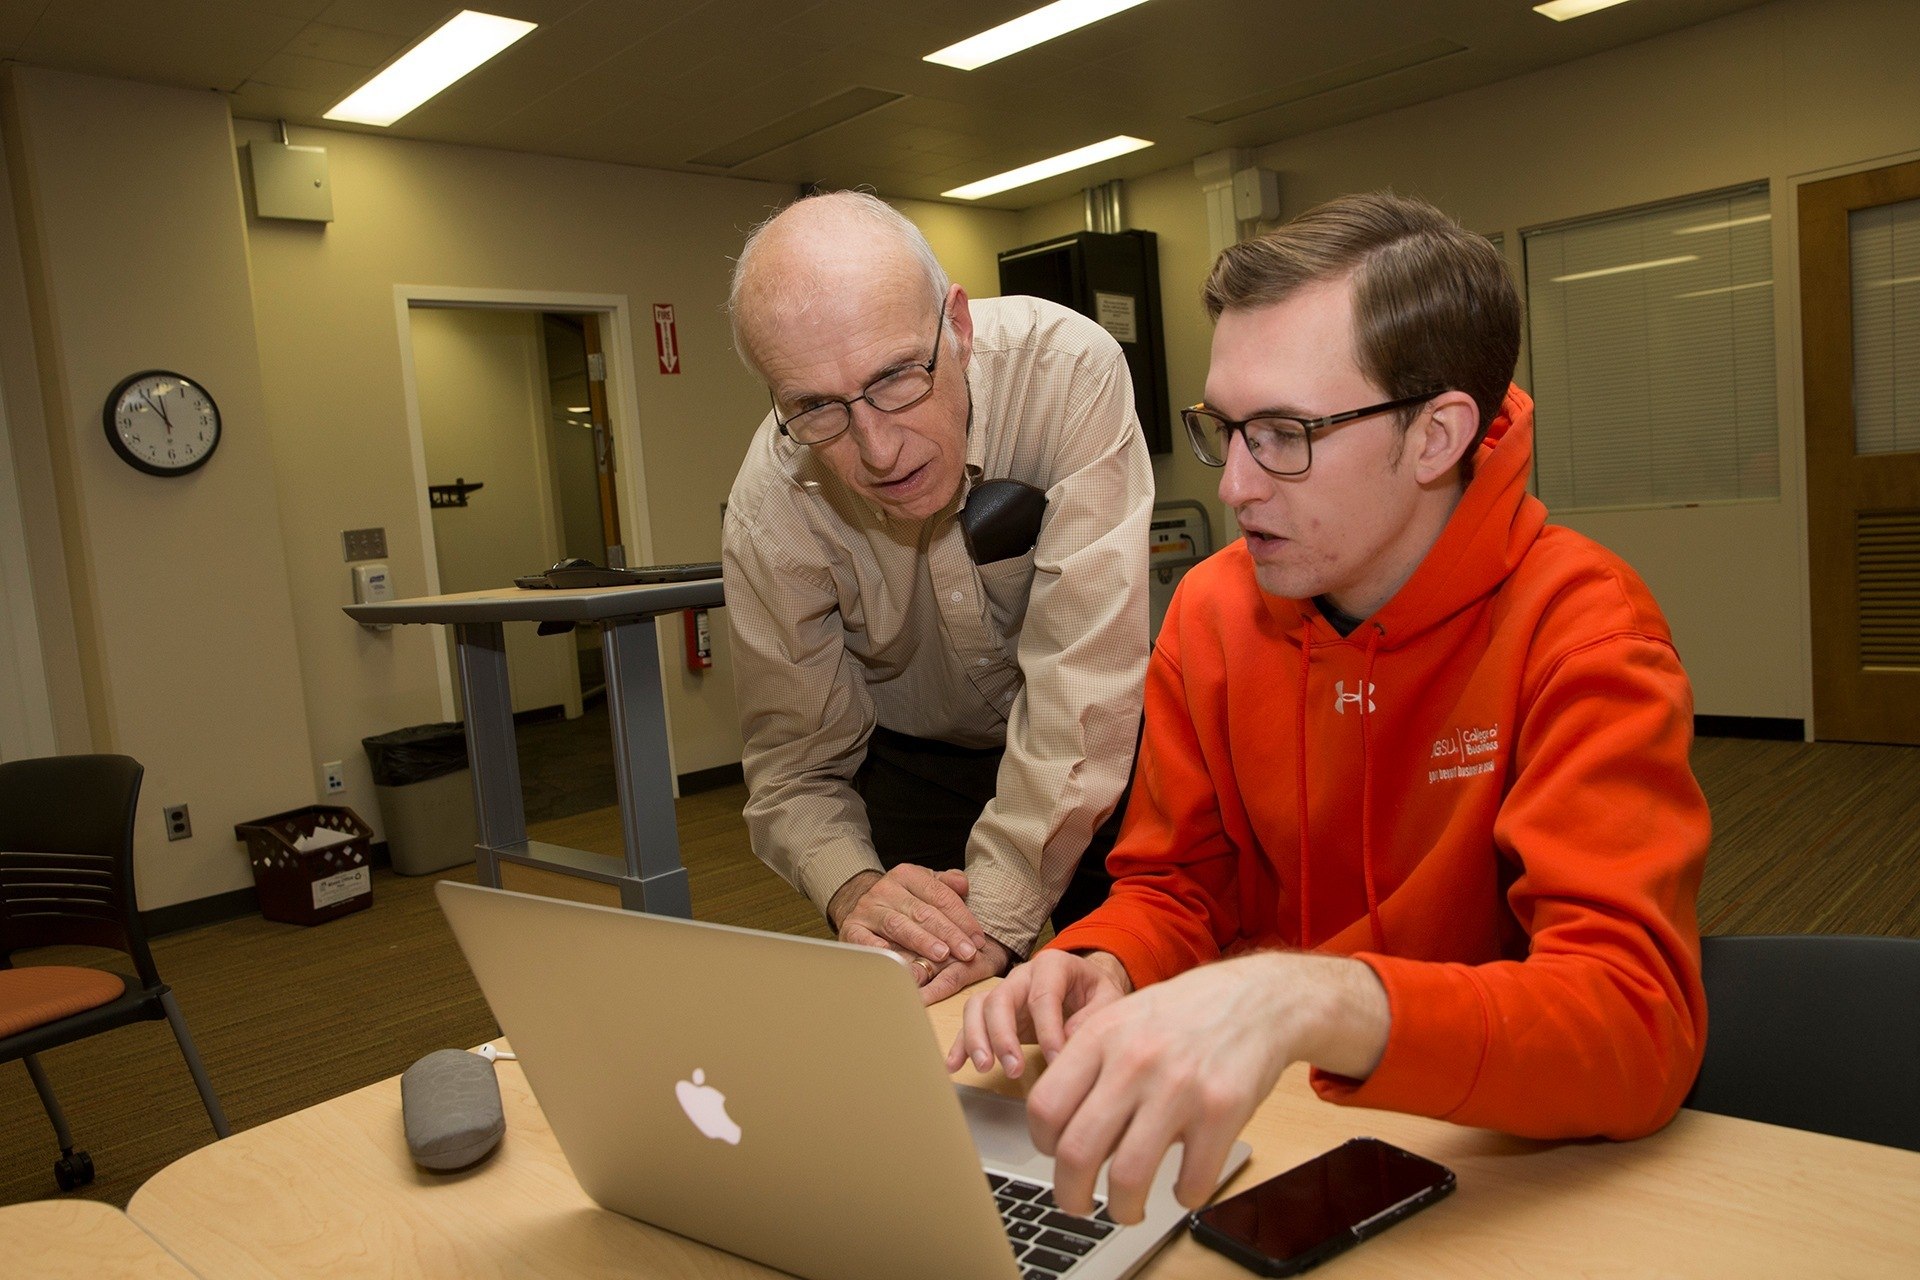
[
  {"x": 1300, "y": 778},
  {"x": 1300, "y": 774},
  {"x": 1375, "y": 633}
]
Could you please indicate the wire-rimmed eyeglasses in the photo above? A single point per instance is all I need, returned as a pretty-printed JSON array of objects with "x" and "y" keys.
[
  {"x": 1281, "y": 445},
  {"x": 828, "y": 417}
]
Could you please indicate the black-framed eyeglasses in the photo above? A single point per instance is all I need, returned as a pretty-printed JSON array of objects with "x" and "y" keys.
[
  {"x": 1282, "y": 446},
  {"x": 828, "y": 417}
]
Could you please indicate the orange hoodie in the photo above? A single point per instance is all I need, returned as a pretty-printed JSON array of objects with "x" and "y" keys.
[{"x": 1502, "y": 821}]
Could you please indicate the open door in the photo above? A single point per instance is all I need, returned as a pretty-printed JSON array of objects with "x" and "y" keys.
[
  {"x": 1860, "y": 317},
  {"x": 602, "y": 440}
]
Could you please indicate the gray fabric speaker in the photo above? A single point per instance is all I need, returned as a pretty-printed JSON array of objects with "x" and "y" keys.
[{"x": 450, "y": 1103}]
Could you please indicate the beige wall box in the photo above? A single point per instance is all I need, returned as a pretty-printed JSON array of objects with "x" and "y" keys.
[
  {"x": 1256, "y": 194},
  {"x": 291, "y": 182}
]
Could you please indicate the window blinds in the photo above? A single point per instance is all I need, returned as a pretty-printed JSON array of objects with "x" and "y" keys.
[
  {"x": 1651, "y": 336},
  {"x": 1884, "y": 244}
]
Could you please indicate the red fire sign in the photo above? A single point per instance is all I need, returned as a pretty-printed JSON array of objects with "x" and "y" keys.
[{"x": 666, "y": 337}]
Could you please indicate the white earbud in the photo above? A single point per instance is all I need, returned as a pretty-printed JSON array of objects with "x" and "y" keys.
[{"x": 492, "y": 1054}]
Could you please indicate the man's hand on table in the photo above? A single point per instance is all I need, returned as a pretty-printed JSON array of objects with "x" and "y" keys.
[
  {"x": 1186, "y": 1060},
  {"x": 923, "y": 915}
]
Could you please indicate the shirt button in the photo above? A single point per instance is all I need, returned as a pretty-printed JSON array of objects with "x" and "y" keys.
[
  {"x": 979, "y": 662},
  {"x": 1006, "y": 697},
  {"x": 955, "y": 597}
]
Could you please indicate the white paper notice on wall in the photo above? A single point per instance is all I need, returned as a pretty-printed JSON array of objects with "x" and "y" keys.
[
  {"x": 341, "y": 887},
  {"x": 1115, "y": 312}
]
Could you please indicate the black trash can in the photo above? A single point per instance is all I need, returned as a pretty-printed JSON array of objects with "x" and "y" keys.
[{"x": 425, "y": 790}]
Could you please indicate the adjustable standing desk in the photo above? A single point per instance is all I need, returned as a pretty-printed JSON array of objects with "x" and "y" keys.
[{"x": 651, "y": 877}]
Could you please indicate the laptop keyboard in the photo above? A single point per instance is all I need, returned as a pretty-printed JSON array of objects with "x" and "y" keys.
[{"x": 1046, "y": 1242}]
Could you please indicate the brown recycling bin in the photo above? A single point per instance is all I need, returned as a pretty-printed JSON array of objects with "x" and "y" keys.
[{"x": 332, "y": 877}]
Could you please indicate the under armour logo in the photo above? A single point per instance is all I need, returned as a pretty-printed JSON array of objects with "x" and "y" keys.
[{"x": 1341, "y": 697}]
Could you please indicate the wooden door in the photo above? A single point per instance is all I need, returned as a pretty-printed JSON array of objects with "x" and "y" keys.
[
  {"x": 602, "y": 440},
  {"x": 1860, "y": 318}
]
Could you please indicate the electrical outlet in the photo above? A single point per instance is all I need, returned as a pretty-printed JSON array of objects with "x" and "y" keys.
[
  {"x": 179, "y": 826},
  {"x": 333, "y": 777}
]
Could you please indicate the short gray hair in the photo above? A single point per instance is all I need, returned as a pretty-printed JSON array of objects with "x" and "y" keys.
[{"x": 748, "y": 298}]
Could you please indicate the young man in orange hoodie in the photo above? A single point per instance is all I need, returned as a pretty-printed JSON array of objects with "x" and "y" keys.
[{"x": 1414, "y": 804}]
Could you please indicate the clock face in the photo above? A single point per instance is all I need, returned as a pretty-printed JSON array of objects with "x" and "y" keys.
[{"x": 161, "y": 423}]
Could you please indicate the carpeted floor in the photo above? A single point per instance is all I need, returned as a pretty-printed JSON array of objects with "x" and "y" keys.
[{"x": 566, "y": 766}]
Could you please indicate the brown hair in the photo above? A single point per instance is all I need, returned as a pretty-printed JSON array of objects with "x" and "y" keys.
[{"x": 1433, "y": 306}]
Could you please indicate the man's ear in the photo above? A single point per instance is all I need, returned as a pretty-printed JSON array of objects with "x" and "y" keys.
[
  {"x": 961, "y": 318},
  {"x": 1442, "y": 435}
]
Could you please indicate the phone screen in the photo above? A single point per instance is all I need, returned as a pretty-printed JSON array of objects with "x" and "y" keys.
[{"x": 1314, "y": 1210}]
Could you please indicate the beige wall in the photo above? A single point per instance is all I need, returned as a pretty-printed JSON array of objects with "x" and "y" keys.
[
  {"x": 1779, "y": 93},
  {"x": 135, "y": 255},
  {"x": 42, "y": 603},
  {"x": 439, "y": 219},
  {"x": 967, "y": 241},
  {"x": 197, "y": 623}
]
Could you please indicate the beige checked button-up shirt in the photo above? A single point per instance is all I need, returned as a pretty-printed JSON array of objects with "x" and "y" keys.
[{"x": 842, "y": 618}]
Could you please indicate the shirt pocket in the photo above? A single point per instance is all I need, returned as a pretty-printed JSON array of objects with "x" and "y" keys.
[{"x": 1008, "y": 584}]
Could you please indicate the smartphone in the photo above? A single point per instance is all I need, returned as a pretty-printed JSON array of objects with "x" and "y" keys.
[{"x": 1300, "y": 1218}]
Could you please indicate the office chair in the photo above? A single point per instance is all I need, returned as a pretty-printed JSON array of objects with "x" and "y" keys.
[
  {"x": 66, "y": 878},
  {"x": 1815, "y": 1031}
]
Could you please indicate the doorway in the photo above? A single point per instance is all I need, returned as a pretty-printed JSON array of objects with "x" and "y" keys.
[
  {"x": 1860, "y": 329},
  {"x": 522, "y": 411}
]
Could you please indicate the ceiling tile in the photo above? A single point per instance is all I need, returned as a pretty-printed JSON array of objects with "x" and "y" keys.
[
  {"x": 346, "y": 44},
  {"x": 253, "y": 101},
  {"x": 647, "y": 82},
  {"x": 315, "y": 75}
]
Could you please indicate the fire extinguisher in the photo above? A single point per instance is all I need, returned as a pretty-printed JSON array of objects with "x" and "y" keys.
[{"x": 699, "y": 639}]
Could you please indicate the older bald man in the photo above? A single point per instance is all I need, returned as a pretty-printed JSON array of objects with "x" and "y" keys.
[{"x": 939, "y": 713}]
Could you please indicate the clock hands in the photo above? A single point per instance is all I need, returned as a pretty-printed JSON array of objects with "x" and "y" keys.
[{"x": 160, "y": 408}]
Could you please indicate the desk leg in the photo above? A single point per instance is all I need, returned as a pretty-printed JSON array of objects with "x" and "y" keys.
[
  {"x": 657, "y": 882},
  {"x": 499, "y": 813}
]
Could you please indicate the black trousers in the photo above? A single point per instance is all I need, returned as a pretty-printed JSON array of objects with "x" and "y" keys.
[{"x": 923, "y": 797}]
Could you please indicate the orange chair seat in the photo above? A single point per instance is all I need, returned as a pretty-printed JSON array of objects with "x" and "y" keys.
[{"x": 33, "y": 997}]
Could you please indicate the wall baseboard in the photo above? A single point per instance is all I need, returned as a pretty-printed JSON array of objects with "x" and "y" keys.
[
  {"x": 217, "y": 909},
  {"x": 222, "y": 907},
  {"x": 1771, "y": 728},
  {"x": 724, "y": 775}
]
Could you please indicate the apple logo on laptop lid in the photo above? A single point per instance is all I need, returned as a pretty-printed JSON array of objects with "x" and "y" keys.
[{"x": 706, "y": 1106}]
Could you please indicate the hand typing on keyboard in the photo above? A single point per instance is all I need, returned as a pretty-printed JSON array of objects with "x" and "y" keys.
[
  {"x": 1046, "y": 1241},
  {"x": 1186, "y": 1060}
]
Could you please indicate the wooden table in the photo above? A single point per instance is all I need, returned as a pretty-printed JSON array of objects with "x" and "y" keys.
[
  {"x": 330, "y": 1190},
  {"x": 650, "y": 877},
  {"x": 80, "y": 1240}
]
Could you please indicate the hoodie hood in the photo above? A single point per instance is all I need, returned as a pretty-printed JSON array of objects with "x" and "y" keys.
[
  {"x": 1484, "y": 541},
  {"x": 1485, "y": 538}
]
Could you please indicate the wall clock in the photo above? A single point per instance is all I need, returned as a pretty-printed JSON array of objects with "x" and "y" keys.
[{"x": 162, "y": 423}]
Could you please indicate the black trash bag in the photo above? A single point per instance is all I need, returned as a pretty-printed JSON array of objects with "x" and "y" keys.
[{"x": 419, "y": 753}]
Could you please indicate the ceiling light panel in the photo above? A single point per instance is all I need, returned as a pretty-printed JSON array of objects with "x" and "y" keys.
[
  {"x": 1066, "y": 162},
  {"x": 1562, "y": 10},
  {"x": 462, "y": 43},
  {"x": 1026, "y": 31}
]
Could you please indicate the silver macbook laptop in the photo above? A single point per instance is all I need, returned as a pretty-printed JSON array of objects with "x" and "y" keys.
[{"x": 781, "y": 1098}]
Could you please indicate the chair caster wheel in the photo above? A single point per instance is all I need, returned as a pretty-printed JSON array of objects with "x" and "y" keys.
[{"x": 75, "y": 1170}]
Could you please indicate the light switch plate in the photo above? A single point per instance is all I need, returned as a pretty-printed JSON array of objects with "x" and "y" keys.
[{"x": 364, "y": 544}]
